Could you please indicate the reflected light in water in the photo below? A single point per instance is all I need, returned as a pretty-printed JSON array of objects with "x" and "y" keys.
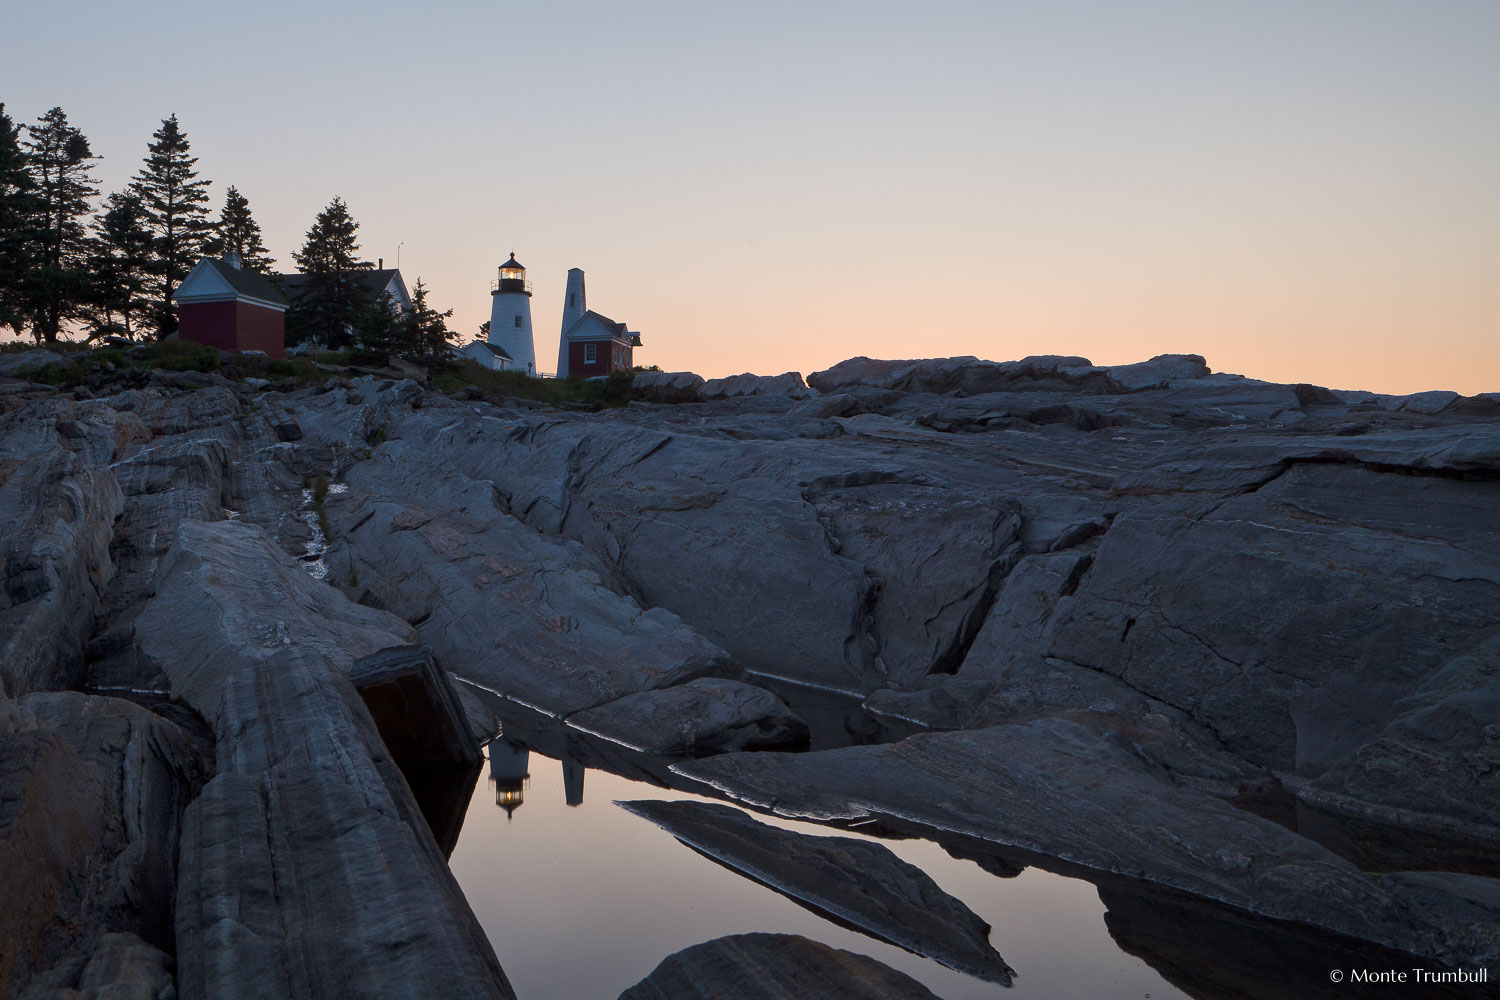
[{"x": 618, "y": 895}]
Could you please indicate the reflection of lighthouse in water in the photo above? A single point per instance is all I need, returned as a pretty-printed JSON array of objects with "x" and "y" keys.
[{"x": 508, "y": 774}]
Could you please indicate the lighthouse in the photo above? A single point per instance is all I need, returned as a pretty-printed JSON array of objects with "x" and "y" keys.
[{"x": 510, "y": 316}]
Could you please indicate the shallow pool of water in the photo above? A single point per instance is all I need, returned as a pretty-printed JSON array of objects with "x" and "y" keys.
[{"x": 583, "y": 901}]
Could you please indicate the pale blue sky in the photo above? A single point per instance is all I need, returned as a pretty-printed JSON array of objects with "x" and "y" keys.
[{"x": 1298, "y": 191}]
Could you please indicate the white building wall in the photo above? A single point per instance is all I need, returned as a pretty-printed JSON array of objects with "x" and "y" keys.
[
  {"x": 507, "y": 335},
  {"x": 575, "y": 304},
  {"x": 478, "y": 352}
]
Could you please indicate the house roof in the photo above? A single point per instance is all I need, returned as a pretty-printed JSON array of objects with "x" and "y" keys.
[
  {"x": 375, "y": 279},
  {"x": 243, "y": 284},
  {"x": 493, "y": 349},
  {"x": 596, "y": 326}
]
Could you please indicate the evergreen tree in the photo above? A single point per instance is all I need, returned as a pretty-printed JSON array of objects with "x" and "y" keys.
[
  {"x": 55, "y": 288},
  {"x": 424, "y": 329},
  {"x": 17, "y": 224},
  {"x": 377, "y": 325},
  {"x": 333, "y": 301},
  {"x": 176, "y": 206},
  {"x": 237, "y": 232},
  {"x": 121, "y": 261}
]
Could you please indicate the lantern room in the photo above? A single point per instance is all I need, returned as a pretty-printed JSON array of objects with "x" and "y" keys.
[
  {"x": 509, "y": 774},
  {"x": 513, "y": 277}
]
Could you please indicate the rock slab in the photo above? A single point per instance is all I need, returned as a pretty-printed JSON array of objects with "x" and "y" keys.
[
  {"x": 773, "y": 967},
  {"x": 859, "y": 883}
]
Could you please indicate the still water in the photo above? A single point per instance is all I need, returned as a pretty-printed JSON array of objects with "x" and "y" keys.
[{"x": 582, "y": 899}]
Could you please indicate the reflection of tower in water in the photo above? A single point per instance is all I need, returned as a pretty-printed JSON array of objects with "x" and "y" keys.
[
  {"x": 572, "y": 781},
  {"x": 508, "y": 774}
]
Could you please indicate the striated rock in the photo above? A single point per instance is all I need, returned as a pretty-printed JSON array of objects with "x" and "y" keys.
[
  {"x": 424, "y": 723},
  {"x": 120, "y": 967},
  {"x": 773, "y": 967},
  {"x": 1294, "y": 619},
  {"x": 91, "y": 794},
  {"x": 932, "y": 597},
  {"x": 19, "y": 365},
  {"x": 309, "y": 817},
  {"x": 840, "y": 404},
  {"x": 858, "y": 883},
  {"x": 1214, "y": 952},
  {"x": 703, "y": 716},
  {"x": 54, "y": 554},
  {"x": 527, "y": 616},
  {"x": 964, "y": 375},
  {"x": 1435, "y": 401},
  {"x": 1160, "y": 371},
  {"x": 229, "y": 600},
  {"x": 1467, "y": 907},
  {"x": 669, "y": 387},
  {"x": 1219, "y": 583},
  {"x": 788, "y": 384},
  {"x": 1055, "y": 788},
  {"x": 415, "y": 706}
]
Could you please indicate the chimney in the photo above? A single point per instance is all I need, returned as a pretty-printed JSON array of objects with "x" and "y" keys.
[
  {"x": 232, "y": 259},
  {"x": 380, "y": 266}
]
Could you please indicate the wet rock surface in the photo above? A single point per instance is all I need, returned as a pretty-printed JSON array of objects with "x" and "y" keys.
[
  {"x": 773, "y": 967},
  {"x": 1086, "y": 800},
  {"x": 858, "y": 883},
  {"x": 1210, "y": 589},
  {"x": 309, "y": 817},
  {"x": 703, "y": 716}
]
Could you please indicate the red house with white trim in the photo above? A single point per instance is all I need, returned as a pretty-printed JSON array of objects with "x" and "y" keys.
[
  {"x": 224, "y": 306},
  {"x": 592, "y": 344},
  {"x": 597, "y": 345}
]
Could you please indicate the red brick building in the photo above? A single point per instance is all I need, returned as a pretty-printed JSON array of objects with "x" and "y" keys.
[
  {"x": 223, "y": 306},
  {"x": 597, "y": 345}
]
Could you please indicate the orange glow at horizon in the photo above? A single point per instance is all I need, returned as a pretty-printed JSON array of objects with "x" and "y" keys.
[{"x": 1298, "y": 193}]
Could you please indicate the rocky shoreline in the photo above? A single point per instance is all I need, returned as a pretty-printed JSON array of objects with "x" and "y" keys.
[{"x": 1207, "y": 641}]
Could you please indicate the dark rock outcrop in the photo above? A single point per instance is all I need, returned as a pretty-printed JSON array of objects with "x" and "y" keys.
[
  {"x": 1215, "y": 590},
  {"x": 858, "y": 883},
  {"x": 92, "y": 792},
  {"x": 773, "y": 967},
  {"x": 1087, "y": 800},
  {"x": 309, "y": 818},
  {"x": 702, "y": 717}
]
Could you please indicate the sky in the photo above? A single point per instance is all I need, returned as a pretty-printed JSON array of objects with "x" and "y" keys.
[{"x": 1300, "y": 191}]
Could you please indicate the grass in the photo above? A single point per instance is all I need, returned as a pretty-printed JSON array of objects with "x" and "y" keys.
[
  {"x": 454, "y": 376},
  {"x": 448, "y": 375}
]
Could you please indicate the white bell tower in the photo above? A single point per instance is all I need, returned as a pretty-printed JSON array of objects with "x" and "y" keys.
[
  {"x": 510, "y": 316},
  {"x": 574, "y": 306}
]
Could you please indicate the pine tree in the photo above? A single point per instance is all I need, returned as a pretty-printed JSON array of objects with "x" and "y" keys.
[
  {"x": 121, "y": 264},
  {"x": 237, "y": 232},
  {"x": 55, "y": 288},
  {"x": 176, "y": 205},
  {"x": 333, "y": 300},
  {"x": 424, "y": 329},
  {"x": 18, "y": 212}
]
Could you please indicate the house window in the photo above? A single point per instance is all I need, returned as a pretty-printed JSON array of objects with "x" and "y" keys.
[
  {"x": 590, "y": 353},
  {"x": 518, "y": 322},
  {"x": 571, "y": 297}
]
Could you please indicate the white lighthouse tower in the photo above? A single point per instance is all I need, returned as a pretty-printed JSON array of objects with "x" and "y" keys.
[{"x": 510, "y": 316}]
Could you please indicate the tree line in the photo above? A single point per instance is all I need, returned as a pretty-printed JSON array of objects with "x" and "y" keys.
[{"x": 71, "y": 263}]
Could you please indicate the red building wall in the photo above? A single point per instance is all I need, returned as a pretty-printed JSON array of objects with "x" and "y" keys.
[
  {"x": 233, "y": 326},
  {"x": 604, "y": 359},
  {"x": 261, "y": 329}
]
